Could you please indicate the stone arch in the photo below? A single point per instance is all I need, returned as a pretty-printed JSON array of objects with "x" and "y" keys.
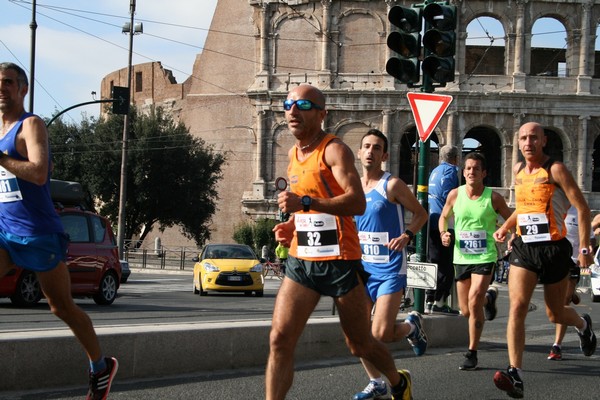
[
  {"x": 350, "y": 131},
  {"x": 408, "y": 157},
  {"x": 489, "y": 143},
  {"x": 358, "y": 29},
  {"x": 290, "y": 38},
  {"x": 282, "y": 141},
  {"x": 551, "y": 61},
  {"x": 478, "y": 49},
  {"x": 554, "y": 144}
]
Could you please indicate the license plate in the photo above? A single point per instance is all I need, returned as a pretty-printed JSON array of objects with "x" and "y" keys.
[{"x": 234, "y": 278}]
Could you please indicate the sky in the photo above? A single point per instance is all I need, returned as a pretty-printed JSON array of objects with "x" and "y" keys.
[{"x": 80, "y": 42}]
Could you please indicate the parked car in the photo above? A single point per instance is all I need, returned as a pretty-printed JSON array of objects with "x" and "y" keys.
[
  {"x": 92, "y": 259},
  {"x": 595, "y": 283},
  {"x": 228, "y": 268},
  {"x": 125, "y": 271}
]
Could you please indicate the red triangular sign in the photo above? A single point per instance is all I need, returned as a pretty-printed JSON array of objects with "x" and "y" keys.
[{"x": 427, "y": 109}]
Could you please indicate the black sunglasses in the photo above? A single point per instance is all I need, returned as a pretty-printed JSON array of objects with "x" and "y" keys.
[{"x": 302, "y": 104}]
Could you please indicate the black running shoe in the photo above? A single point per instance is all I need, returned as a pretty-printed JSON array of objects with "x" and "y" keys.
[
  {"x": 490, "y": 309},
  {"x": 587, "y": 338},
  {"x": 100, "y": 383},
  {"x": 510, "y": 382},
  {"x": 470, "y": 363}
]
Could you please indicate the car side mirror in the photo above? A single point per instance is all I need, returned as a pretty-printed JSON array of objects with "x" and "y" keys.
[{"x": 195, "y": 259}]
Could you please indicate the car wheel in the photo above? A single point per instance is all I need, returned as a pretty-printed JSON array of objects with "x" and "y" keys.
[
  {"x": 195, "y": 289},
  {"x": 28, "y": 291},
  {"x": 258, "y": 293},
  {"x": 202, "y": 291},
  {"x": 108, "y": 289}
]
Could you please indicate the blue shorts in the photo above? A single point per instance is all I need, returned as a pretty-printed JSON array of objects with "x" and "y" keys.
[
  {"x": 37, "y": 253},
  {"x": 378, "y": 286}
]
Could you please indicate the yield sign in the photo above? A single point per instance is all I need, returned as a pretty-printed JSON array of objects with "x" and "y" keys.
[{"x": 427, "y": 109}]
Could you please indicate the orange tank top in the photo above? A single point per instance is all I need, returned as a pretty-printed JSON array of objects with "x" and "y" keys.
[
  {"x": 541, "y": 206},
  {"x": 319, "y": 236}
]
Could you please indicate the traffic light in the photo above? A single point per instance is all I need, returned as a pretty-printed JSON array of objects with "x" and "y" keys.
[
  {"x": 120, "y": 96},
  {"x": 405, "y": 42},
  {"x": 440, "y": 40}
]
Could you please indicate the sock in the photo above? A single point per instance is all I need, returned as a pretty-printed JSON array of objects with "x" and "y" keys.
[
  {"x": 556, "y": 344},
  {"x": 378, "y": 381},
  {"x": 412, "y": 327},
  {"x": 440, "y": 303},
  {"x": 98, "y": 366}
]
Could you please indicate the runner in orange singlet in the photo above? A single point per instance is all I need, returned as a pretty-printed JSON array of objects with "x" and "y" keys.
[
  {"x": 325, "y": 257},
  {"x": 544, "y": 190}
]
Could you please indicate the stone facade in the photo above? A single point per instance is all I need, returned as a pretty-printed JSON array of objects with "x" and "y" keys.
[{"x": 257, "y": 50}]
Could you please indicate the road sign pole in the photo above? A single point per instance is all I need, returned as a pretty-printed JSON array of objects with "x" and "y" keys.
[{"x": 422, "y": 194}]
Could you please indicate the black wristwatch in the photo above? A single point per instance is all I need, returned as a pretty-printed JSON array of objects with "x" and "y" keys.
[
  {"x": 410, "y": 234},
  {"x": 306, "y": 201}
]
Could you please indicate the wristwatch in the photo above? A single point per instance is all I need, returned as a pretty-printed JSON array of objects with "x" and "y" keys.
[
  {"x": 585, "y": 251},
  {"x": 306, "y": 201}
]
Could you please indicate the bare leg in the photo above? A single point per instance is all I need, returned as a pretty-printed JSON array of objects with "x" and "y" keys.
[
  {"x": 56, "y": 285},
  {"x": 557, "y": 311},
  {"x": 356, "y": 326},
  {"x": 520, "y": 289},
  {"x": 293, "y": 306},
  {"x": 477, "y": 299},
  {"x": 384, "y": 326},
  {"x": 561, "y": 329}
]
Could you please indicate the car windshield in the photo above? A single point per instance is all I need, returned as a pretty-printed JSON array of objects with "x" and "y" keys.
[{"x": 230, "y": 252}]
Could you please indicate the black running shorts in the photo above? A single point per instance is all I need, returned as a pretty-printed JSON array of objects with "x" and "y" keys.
[
  {"x": 332, "y": 278},
  {"x": 550, "y": 260}
]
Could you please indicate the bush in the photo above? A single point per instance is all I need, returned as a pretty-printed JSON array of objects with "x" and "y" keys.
[{"x": 257, "y": 234}]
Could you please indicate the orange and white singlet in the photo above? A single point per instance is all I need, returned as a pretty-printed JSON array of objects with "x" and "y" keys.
[
  {"x": 541, "y": 206},
  {"x": 319, "y": 236}
]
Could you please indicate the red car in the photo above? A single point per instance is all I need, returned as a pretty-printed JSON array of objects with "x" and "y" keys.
[{"x": 92, "y": 258}]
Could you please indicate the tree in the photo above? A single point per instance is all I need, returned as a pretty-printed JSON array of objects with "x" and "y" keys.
[
  {"x": 256, "y": 234},
  {"x": 171, "y": 175}
]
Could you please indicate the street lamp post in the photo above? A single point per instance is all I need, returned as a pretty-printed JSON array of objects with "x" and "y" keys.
[{"x": 131, "y": 29}]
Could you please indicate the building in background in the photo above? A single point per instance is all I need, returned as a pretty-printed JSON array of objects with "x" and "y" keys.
[{"x": 257, "y": 50}]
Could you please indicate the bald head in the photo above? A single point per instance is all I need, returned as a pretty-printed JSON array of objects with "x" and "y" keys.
[{"x": 308, "y": 92}]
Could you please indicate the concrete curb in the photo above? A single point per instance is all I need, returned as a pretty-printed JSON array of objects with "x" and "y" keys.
[{"x": 160, "y": 350}]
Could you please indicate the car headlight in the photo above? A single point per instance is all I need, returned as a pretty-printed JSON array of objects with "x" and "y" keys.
[
  {"x": 208, "y": 267},
  {"x": 257, "y": 268}
]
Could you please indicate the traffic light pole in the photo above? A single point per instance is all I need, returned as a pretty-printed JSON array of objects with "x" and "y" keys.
[{"x": 422, "y": 194}]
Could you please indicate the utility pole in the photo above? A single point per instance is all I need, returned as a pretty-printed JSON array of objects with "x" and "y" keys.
[
  {"x": 126, "y": 122},
  {"x": 33, "y": 27}
]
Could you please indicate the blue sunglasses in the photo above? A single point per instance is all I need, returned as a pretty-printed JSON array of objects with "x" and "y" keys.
[{"x": 302, "y": 104}]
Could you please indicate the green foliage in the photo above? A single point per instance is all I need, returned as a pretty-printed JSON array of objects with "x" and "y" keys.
[
  {"x": 243, "y": 234},
  {"x": 256, "y": 234},
  {"x": 171, "y": 175}
]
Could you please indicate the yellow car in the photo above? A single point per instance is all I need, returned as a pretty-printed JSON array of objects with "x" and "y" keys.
[{"x": 228, "y": 268}]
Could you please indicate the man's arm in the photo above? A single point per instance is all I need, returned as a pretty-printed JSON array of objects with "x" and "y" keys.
[
  {"x": 563, "y": 178},
  {"x": 340, "y": 159},
  {"x": 447, "y": 212},
  {"x": 32, "y": 144},
  {"x": 399, "y": 193}
]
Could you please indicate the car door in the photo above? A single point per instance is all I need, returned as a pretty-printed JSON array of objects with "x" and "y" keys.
[{"x": 81, "y": 254}]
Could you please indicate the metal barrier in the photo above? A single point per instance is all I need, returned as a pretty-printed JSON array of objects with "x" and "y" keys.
[{"x": 164, "y": 258}]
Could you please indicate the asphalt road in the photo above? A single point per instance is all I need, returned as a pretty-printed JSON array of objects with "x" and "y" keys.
[
  {"x": 435, "y": 375},
  {"x": 154, "y": 298}
]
